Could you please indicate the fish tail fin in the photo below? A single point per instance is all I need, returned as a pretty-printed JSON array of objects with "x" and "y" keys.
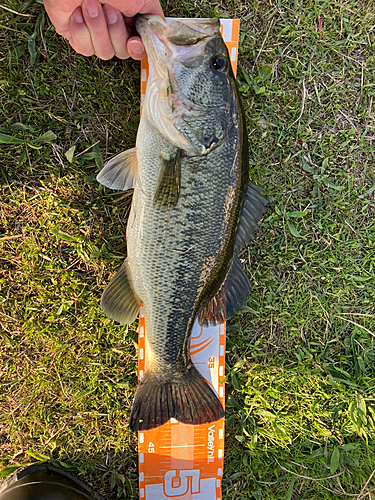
[{"x": 187, "y": 398}]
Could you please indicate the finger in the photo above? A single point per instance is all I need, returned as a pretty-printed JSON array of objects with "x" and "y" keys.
[
  {"x": 152, "y": 7},
  {"x": 136, "y": 48},
  {"x": 59, "y": 14},
  {"x": 130, "y": 9},
  {"x": 79, "y": 37},
  {"x": 95, "y": 21},
  {"x": 118, "y": 32}
]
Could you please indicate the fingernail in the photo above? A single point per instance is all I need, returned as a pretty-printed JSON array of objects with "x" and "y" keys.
[
  {"x": 136, "y": 47},
  {"x": 92, "y": 8},
  {"x": 111, "y": 16},
  {"x": 77, "y": 14}
]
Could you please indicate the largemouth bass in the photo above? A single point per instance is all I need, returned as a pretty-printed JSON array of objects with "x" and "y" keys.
[{"x": 193, "y": 210}]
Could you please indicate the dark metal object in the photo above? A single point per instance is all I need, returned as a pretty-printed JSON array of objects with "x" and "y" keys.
[{"x": 45, "y": 482}]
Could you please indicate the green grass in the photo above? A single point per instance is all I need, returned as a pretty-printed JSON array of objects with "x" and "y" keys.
[{"x": 300, "y": 418}]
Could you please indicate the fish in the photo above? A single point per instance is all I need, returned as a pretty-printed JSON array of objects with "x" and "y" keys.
[{"x": 193, "y": 210}]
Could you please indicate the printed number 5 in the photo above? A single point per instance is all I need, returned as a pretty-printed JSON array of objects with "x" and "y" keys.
[{"x": 182, "y": 489}]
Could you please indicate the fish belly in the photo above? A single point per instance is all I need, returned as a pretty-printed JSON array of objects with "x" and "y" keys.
[{"x": 171, "y": 252}]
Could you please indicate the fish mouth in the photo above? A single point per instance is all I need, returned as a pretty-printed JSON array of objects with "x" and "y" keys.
[
  {"x": 174, "y": 39},
  {"x": 152, "y": 31},
  {"x": 171, "y": 45},
  {"x": 188, "y": 28},
  {"x": 147, "y": 24}
]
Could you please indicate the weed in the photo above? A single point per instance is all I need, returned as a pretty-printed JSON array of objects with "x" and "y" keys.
[{"x": 300, "y": 356}]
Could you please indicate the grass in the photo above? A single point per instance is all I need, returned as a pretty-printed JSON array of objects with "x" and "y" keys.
[{"x": 300, "y": 357}]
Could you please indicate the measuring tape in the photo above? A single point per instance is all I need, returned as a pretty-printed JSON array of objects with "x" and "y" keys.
[{"x": 180, "y": 461}]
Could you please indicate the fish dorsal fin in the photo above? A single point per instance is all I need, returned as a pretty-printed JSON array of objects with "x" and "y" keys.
[
  {"x": 168, "y": 182},
  {"x": 118, "y": 301},
  {"x": 252, "y": 211},
  {"x": 231, "y": 297},
  {"x": 235, "y": 290},
  {"x": 120, "y": 172}
]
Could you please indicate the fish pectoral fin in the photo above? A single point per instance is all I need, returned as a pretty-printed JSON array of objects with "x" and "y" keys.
[
  {"x": 230, "y": 299},
  {"x": 252, "y": 211},
  {"x": 187, "y": 397},
  {"x": 118, "y": 301},
  {"x": 168, "y": 182},
  {"x": 120, "y": 172}
]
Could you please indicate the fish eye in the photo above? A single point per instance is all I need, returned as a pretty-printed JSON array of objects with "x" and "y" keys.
[{"x": 219, "y": 62}]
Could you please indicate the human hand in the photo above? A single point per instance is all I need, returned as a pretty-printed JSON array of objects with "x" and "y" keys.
[{"x": 103, "y": 30}]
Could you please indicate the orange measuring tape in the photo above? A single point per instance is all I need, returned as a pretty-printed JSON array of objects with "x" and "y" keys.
[{"x": 179, "y": 461}]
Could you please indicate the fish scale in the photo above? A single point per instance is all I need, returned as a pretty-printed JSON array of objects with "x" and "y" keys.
[
  {"x": 187, "y": 235},
  {"x": 192, "y": 206}
]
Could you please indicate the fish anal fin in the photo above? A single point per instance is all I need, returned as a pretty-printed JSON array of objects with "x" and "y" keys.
[
  {"x": 230, "y": 299},
  {"x": 120, "y": 172},
  {"x": 252, "y": 211},
  {"x": 168, "y": 182},
  {"x": 188, "y": 398},
  {"x": 118, "y": 301}
]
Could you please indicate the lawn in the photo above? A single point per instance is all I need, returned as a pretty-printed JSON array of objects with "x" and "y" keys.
[{"x": 300, "y": 420}]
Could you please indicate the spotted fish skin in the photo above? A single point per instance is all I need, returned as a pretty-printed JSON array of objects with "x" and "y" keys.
[{"x": 191, "y": 189}]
